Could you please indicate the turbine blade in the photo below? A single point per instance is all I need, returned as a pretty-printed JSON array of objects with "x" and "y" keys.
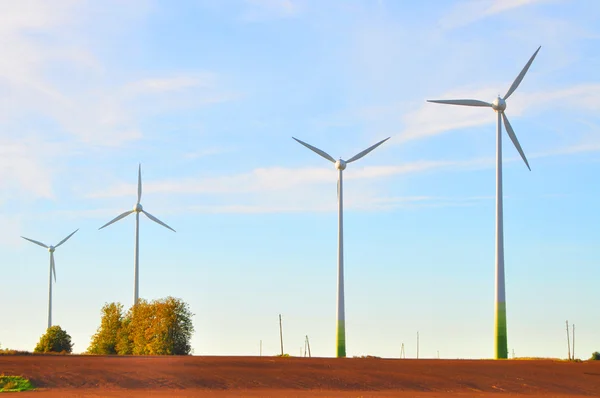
[
  {"x": 117, "y": 218},
  {"x": 139, "y": 183},
  {"x": 65, "y": 239},
  {"x": 35, "y": 241},
  {"x": 519, "y": 78},
  {"x": 156, "y": 220},
  {"x": 363, "y": 153},
  {"x": 316, "y": 150},
  {"x": 465, "y": 102},
  {"x": 52, "y": 265},
  {"x": 513, "y": 138}
]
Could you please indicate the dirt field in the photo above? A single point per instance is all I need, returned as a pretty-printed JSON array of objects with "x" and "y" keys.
[{"x": 99, "y": 376}]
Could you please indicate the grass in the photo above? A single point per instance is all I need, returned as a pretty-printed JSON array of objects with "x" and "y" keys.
[{"x": 14, "y": 384}]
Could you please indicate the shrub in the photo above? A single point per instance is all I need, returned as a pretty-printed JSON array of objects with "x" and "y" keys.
[
  {"x": 55, "y": 340},
  {"x": 14, "y": 384},
  {"x": 7, "y": 351},
  {"x": 595, "y": 356}
]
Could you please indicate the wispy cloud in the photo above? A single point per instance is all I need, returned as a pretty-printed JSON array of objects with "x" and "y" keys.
[
  {"x": 207, "y": 152},
  {"x": 61, "y": 90},
  {"x": 259, "y": 10},
  {"x": 166, "y": 84},
  {"x": 431, "y": 119},
  {"x": 467, "y": 12}
]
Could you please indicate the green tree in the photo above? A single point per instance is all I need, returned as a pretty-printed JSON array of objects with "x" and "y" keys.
[
  {"x": 106, "y": 339},
  {"x": 54, "y": 340},
  {"x": 595, "y": 356}
]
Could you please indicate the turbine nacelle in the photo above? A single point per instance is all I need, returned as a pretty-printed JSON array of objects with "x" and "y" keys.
[
  {"x": 138, "y": 208},
  {"x": 340, "y": 164},
  {"x": 51, "y": 249},
  {"x": 499, "y": 105}
]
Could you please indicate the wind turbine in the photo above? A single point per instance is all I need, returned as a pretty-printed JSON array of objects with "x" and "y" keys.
[
  {"x": 340, "y": 165},
  {"x": 52, "y": 269},
  {"x": 499, "y": 106},
  {"x": 137, "y": 209}
]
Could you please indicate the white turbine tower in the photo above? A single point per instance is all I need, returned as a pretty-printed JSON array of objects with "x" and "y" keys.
[
  {"x": 52, "y": 269},
  {"x": 499, "y": 106},
  {"x": 137, "y": 209},
  {"x": 340, "y": 165}
]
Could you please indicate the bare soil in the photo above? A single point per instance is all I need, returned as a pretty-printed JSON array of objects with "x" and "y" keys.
[{"x": 195, "y": 376}]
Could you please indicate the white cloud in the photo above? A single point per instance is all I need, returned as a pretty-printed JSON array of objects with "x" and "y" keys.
[
  {"x": 431, "y": 119},
  {"x": 58, "y": 90},
  {"x": 467, "y": 12}
]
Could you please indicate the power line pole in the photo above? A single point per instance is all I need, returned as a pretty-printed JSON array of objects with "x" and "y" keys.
[
  {"x": 568, "y": 341},
  {"x": 417, "y": 345},
  {"x": 573, "y": 341},
  {"x": 281, "y": 334}
]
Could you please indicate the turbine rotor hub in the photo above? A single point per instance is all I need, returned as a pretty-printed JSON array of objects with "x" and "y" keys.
[
  {"x": 51, "y": 249},
  {"x": 340, "y": 164},
  {"x": 499, "y": 105},
  {"x": 138, "y": 208}
]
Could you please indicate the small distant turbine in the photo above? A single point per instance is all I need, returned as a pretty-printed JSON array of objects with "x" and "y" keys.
[
  {"x": 137, "y": 209},
  {"x": 52, "y": 269},
  {"x": 340, "y": 165},
  {"x": 499, "y": 106}
]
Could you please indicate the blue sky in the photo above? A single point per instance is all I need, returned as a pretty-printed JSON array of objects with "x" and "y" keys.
[{"x": 207, "y": 95}]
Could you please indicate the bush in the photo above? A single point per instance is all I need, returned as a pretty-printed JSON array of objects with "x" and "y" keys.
[
  {"x": 7, "y": 351},
  {"x": 595, "y": 356},
  {"x": 14, "y": 384},
  {"x": 55, "y": 340}
]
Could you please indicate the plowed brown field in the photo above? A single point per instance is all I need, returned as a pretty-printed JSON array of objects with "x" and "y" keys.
[{"x": 194, "y": 376}]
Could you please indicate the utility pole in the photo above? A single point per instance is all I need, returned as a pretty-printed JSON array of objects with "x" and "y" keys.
[
  {"x": 568, "y": 340},
  {"x": 281, "y": 334},
  {"x": 417, "y": 345},
  {"x": 304, "y": 348},
  {"x": 402, "y": 353},
  {"x": 573, "y": 341}
]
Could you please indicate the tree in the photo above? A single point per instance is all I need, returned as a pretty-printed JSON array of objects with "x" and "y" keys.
[
  {"x": 160, "y": 327},
  {"x": 106, "y": 339},
  {"x": 54, "y": 340},
  {"x": 595, "y": 356}
]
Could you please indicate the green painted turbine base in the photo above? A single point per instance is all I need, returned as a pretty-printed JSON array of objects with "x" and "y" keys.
[
  {"x": 501, "y": 336},
  {"x": 341, "y": 340}
]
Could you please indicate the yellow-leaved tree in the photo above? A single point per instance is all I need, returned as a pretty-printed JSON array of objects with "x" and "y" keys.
[{"x": 160, "y": 327}]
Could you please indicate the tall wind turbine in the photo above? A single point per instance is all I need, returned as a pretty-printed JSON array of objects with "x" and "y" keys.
[
  {"x": 499, "y": 106},
  {"x": 52, "y": 269},
  {"x": 340, "y": 165},
  {"x": 137, "y": 209}
]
